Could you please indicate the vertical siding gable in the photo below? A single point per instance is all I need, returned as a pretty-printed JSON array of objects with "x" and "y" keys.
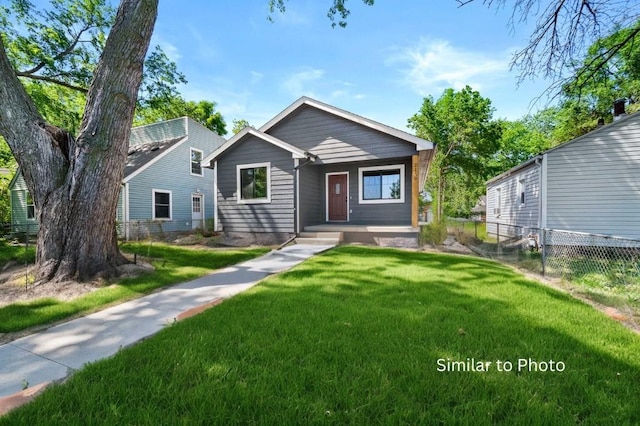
[{"x": 335, "y": 139}]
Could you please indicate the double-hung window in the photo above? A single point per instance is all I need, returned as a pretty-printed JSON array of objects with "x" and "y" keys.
[
  {"x": 381, "y": 184},
  {"x": 161, "y": 204},
  {"x": 31, "y": 208},
  {"x": 196, "y": 159},
  {"x": 254, "y": 183}
]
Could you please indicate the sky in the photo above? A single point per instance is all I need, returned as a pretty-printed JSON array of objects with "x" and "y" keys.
[{"x": 381, "y": 66}]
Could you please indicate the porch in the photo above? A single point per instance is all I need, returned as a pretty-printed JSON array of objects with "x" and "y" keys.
[{"x": 381, "y": 235}]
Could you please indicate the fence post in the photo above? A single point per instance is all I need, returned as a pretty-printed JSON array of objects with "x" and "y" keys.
[{"x": 26, "y": 260}]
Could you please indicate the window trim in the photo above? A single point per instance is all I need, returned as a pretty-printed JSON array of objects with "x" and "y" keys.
[
  {"x": 28, "y": 195},
  {"x": 191, "y": 162},
  {"x": 241, "y": 167},
  {"x": 361, "y": 171},
  {"x": 522, "y": 189},
  {"x": 153, "y": 203}
]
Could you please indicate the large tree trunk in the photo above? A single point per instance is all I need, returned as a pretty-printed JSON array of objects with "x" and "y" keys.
[{"x": 75, "y": 182}]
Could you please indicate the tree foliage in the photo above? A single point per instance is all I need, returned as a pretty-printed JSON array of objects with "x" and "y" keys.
[
  {"x": 239, "y": 124},
  {"x": 203, "y": 112},
  {"x": 338, "y": 11},
  {"x": 460, "y": 124}
]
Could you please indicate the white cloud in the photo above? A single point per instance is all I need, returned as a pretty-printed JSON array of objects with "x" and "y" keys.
[
  {"x": 302, "y": 82},
  {"x": 170, "y": 50},
  {"x": 434, "y": 65}
]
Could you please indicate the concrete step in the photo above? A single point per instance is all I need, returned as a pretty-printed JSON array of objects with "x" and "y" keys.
[
  {"x": 318, "y": 241},
  {"x": 337, "y": 235}
]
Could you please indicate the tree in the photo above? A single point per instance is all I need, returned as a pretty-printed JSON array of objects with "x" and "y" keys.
[
  {"x": 75, "y": 181},
  {"x": 203, "y": 112},
  {"x": 337, "y": 10},
  {"x": 238, "y": 125},
  {"x": 564, "y": 29},
  {"x": 460, "y": 124}
]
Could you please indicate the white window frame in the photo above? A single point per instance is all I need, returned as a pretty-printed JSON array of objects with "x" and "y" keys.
[
  {"x": 497, "y": 211},
  {"x": 361, "y": 171},
  {"x": 241, "y": 167},
  {"x": 191, "y": 162},
  {"x": 27, "y": 194},
  {"x": 153, "y": 204},
  {"x": 522, "y": 196}
]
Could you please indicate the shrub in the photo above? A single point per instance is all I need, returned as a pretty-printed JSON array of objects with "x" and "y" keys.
[{"x": 433, "y": 233}]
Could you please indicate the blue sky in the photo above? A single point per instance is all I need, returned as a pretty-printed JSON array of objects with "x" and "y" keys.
[{"x": 389, "y": 57}]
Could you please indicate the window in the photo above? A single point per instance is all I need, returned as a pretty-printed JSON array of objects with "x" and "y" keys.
[
  {"x": 196, "y": 159},
  {"x": 254, "y": 183},
  {"x": 31, "y": 208},
  {"x": 161, "y": 204},
  {"x": 496, "y": 210},
  {"x": 521, "y": 190},
  {"x": 381, "y": 184}
]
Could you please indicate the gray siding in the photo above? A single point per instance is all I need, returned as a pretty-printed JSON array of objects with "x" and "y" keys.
[
  {"x": 276, "y": 216},
  {"x": 337, "y": 140},
  {"x": 593, "y": 184},
  {"x": 311, "y": 196},
  {"x": 511, "y": 210},
  {"x": 372, "y": 214}
]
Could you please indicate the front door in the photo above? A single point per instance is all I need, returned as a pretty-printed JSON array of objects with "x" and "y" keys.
[
  {"x": 197, "y": 212},
  {"x": 337, "y": 197}
]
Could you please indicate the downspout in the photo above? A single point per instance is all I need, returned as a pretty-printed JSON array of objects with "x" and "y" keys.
[
  {"x": 543, "y": 192},
  {"x": 296, "y": 167},
  {"x": 215, "y": 196},
  {"x": 125, "y": 211}
]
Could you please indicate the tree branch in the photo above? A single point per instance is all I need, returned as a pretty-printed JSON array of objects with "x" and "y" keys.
[
  {"x": 60, "y": 55},
  {"x": 52, "y": 80}
]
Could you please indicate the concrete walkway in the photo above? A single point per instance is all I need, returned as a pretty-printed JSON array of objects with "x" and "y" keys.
[{"x": 55, "y": 353}]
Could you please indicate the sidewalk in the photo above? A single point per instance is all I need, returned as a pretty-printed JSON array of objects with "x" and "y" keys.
[{"x": 55, "y": 353}]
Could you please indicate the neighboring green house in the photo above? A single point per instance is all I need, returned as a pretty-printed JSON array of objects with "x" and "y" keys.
[{"x": 164, "y": 187}]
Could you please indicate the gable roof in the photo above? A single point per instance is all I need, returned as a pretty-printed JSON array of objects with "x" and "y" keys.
[
  {"x": 250, "y": 131},
  {"x": 142, "y": 154},
  {"x": 421, "y": 144},
  {"x": 150, "y": 143}
]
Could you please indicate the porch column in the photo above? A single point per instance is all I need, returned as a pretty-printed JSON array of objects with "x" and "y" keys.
[{"x": 415, "y": 190}]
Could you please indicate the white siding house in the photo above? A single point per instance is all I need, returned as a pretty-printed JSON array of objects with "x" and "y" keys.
[{"x": 590, "y": 184}]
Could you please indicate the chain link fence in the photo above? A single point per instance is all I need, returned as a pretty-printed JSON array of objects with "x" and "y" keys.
[
  {"x": 575, "y": 256},
  {"x": 162, "y": 230}
]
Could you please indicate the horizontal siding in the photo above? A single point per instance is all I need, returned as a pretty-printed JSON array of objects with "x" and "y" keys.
[
  {"x": 311, "y": 196},
  {"x": 276, "y": 216},
  {"x": 372, "y": 214},
  {"x": 512, "y": 212},
  {"x": 173, "y": 173},
  {"x": 334, "y": 139},
  {"x": 593, "y": 184}
]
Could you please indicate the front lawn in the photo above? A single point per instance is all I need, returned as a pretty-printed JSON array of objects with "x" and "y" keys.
[
  {"x": 364, "y": 335},
  {"x": 172, "y": 265}
]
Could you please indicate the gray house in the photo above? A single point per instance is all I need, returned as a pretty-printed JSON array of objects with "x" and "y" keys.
[
  {"x": 590, "y": 184},
  {"x": 164, "y": 185},
  {"x": 315, "y": 167}
]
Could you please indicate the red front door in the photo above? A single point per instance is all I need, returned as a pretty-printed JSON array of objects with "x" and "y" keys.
[{"x": 338, "y": 196}]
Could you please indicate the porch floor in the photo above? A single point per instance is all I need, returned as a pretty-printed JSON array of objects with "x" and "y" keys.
[{"x": 340, "y": 227}]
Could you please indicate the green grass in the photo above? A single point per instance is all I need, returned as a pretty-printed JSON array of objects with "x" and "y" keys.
[
  {"x": 354, "y": 336},
  {"x": 17, "y": 253},
  {"x": 172, "y": 265}
]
